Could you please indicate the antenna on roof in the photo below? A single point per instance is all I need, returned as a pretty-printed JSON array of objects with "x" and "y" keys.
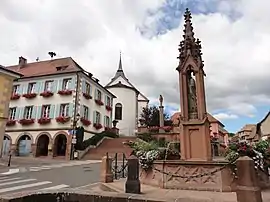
[
  {"x": 52, "y": 54},
  {"x": 37, "y": 59}
]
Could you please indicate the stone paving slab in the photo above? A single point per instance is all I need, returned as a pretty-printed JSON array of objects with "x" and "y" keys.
[{"x": 169, "y": 194}]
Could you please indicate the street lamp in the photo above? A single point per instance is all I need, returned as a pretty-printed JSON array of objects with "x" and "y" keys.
[{"x": 74, "y": 139}]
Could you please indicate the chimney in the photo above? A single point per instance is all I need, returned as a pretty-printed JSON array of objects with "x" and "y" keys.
[{"x": 22, "y": 61}]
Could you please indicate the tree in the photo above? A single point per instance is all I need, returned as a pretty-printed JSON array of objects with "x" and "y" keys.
[{"x": 150, "y": 117}]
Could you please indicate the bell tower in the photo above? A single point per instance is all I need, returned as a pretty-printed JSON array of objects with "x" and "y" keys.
[{"x": 195, "y": 127}]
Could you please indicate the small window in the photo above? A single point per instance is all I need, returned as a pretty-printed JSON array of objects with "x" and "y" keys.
[
  {"x": 46, "y": 111},
  {"x": 31, "y": 88},
  {"x": 118, "y": 111},
  {"x": 48, "y": 86},
  {"x": 97, "y": 118},
  {"x": 12, "y": 113},
  {"x": 107, "y": 121},
  {"x": 85, "y": 112},
  {"x": 87, "y": 88},
  {"x": 66, "y": 84},
  {"x": 61, "y": 68},
  {"x": 64, "y": 109},
  {"x": 108, "y": 101},
  {"x": 28, "y": 112},
  {"x": 98, "y": 95},
  {"x": 15, "y": 89}
]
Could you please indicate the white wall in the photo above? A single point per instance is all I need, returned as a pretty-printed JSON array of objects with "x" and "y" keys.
[{"x": 127, "y": 97}]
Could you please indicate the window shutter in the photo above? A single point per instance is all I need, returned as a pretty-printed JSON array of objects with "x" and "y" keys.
[
  {"x": 96, "y": 94},
  {"x": 105, "y": 100},
  {"x": 83, "y": 86},
  {"x": 72, "y": 83},
  {"x": 54, "y": 86},
  {"x": 52, "y": 111},
  {"x": 39, "y": 109},
  {"x": 24, "y": 88},
  {"x": 60, "y": 85},
  {"x": 41, "y": 87},
  {"x": 94, "y": 117},
  {"x": 70, "y": 109},
  {"x": 89, "y": 117},
  {"x": 57, "y": 110},
  {"x": 104, "y": 121},
  {"x": 18, "y": 111},
  {"x": 22, "y": 112},
  {"x": 20, "y": 90},
  {"x": 91, "y": 89},
  {"x": 37, "y": 86},
  {"x": 33, "y": 115},
  {"x": 82, "y": 110}
]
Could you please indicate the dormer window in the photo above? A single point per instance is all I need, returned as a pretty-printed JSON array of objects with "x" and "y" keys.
[{"x": 61, "y": 68}]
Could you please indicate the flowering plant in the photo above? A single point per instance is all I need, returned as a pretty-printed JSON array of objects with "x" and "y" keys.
[
  {"x": 109, "y": 108},
  {"x": 65, "y": 92},
  {"x": 46, "y": 94},
  {"x": 11, "y": 122},
  {"x": 15, "y": 96},
  {"x": 30, "y": 95},
  {"x": 62, "y": 119},
  {"x": 27, "y": 121},
  {"x": 85, "y": 121},
  {"x": 107, "y": 128},
  {"x": 44, "y": 120},
  {"x": 87, "y": 96},
  {"x": 97, "y": 126},
  {"x": 99, "y": 102}
]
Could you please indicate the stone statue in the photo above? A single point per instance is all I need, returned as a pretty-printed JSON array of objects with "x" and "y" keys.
[
  {"x": 160, "y": 100},
  {"x": 192, "y": 95}
]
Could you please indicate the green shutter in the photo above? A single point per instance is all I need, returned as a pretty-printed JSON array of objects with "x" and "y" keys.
[
  {"x": 70, "y": 109},
  {"x": 60, "y": 85},
  {"x": 94, "y": 116},
  {"x": 17, "y": 115},
  {"x": 96, "y": 94},
  {"x": 20, "y": 89},
  {"x": 52, "y": 111},
  {"x": 91, "y": 90},
  {"x": 39, "y": 109},
  {"x": 83, "y": 87},
  {"x": 104, "y": 121},
  {"x": 105, "y": 100},
  {"x": 33, "y": 115},
  {"x": 57, "y": 110},
  {"x": 54, "y": 86},
  {"x": 82, "y": 111},
  {"x": 41, "y": 87},
  {"x": 72, "y": 83}
]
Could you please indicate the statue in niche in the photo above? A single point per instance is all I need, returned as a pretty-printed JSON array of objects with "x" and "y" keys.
[
  {"x": 160, "y": 100},
  {"x": 192, "y": 95}
]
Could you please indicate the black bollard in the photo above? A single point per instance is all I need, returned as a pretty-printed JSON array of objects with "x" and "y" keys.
[
  {"x": 133, "y": 184},
  {"x": 9, "y": 160}
]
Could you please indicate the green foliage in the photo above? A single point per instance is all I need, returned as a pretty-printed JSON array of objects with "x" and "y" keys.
[
  {"x": 231, "y": 134},
  {"x": 147, "y": 137},
  {"x": 143, "y": 146},
  {"x": 262, "y": 146},
  {"x": 96, "y": 138}
]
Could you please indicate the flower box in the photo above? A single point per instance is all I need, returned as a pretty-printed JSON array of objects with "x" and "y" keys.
[
  {"x": 30, "y": 95},
  {"x": 62, "y": 119},
  {"x": 167, "y": 128},
  {"x": 87, "y": 96},
  {"x": 15, "y": 97},
  {"x": 26, "y": 121},
  {"x": 99, "y": 102},
  {"x": 65, "y": 92},
  {"x": 44, "y": 120},
  {"x": 154, "y": 129},
  {"x": 11, "y": 122},
  {"x": 97, "y": 126},
  {"x": 85, "y": 122},
  {"x": 46, "y": 94},
  {"x": 109, "y": 108},
  {"x": 108, "y": 129}
]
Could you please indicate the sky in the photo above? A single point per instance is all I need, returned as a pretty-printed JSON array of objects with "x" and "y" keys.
[{"x": 235, "y": 37}]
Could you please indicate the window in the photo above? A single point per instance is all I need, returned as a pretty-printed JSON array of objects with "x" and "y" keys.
[
  {"x": 87, "y": 88},
  {"x": 12, "y": 113},
  {"x": 66, "y": 84},
  {"x": 108, "y": 101},
  {"x": 64, "y": 108},
  {"x": 61, "y": 68},
  {"x": 45, "y": 111},
  {"x": 28, "y": 112},
  {"x": 85, "y": 112},
  {"x": 15, "y": 89},
  {"x": 118, "y": 111},
  {"x": 98, "y": 95},
  {"x": 48, "y": 86},
  {"x": 107, "y": 121},
  {"x": 31, "y": 88},
  {"x": 97, "y": 117}
]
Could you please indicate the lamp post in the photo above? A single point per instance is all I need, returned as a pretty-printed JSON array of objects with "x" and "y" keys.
[{"x": 74, "y": 138}]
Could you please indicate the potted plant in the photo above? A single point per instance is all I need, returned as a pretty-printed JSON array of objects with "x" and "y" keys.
[
  {"x": 99, "y": 102},
  {"x": 62, "y": 119},
  {"x": 85, "y": 121},
  {"x": 15, "y": 96},
  {"x": 65, "y": 92},
  {"x": 109, "y": 108},
  {"x": 97, "y": 126},
  {"x": 87, "y": 96},
  {"x": 26, "y": 121},
  {"x": 46, "y": 94},
  {"x": 44, "y": 120},
  {"x": 11, "y": 122},
  {"x": 30, "y": 95}
]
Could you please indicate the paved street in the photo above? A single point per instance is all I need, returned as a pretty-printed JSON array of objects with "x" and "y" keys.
[{"x": 54, "y": 175}]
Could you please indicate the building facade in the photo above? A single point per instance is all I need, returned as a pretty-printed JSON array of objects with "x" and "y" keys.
[
  {"x": 128, "y": 104},
  {"x": 6, "y": 82},
  {"x": 50, "y": 100}
]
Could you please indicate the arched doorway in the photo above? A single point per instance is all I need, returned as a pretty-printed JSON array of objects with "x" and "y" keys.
[
  {"x": 60, "y": 145},
  {"x": 24, "y": 145},
  {"x": 6, "y": 146},
  {"x": 42, "y": 145}
]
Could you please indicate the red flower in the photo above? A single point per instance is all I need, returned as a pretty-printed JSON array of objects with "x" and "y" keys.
[
  {"x": 87, "y": 96},
  {"x": 109, "y": 108},
  {"x": 15, "y": 97},
  {"x": 62, "y": 119},
  {"x": 85, "y": 121},
  {"x": 44, "y": 120},
  {"x": 99, "y": 102},
  {"x": 30, "y": 95},
  {"x": 107, "y": 128},
  {"x": 97, "y": 126},
  {"x": 11, "y": 122},
  {"x": 27, "y": 121},
  {"x": 65, "y": 92},
  {"x": 46, "y": 94}
]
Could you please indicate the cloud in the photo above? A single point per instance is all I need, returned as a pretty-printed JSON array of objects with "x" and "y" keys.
[
  {"x": 224, "y": 116},
  {"x": 235, "y": 37}
]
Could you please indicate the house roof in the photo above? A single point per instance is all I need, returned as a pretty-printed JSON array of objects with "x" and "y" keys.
[
  {"x": 264, "y": 118},
  {"x": 247, "y": 127},
  {"x": 10, "y": 72},
  {"x": 211, "y": 119}
]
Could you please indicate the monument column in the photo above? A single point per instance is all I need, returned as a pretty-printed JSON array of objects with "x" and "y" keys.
[
  {"x": 195, "y": 127},
  {"x": 161, "y": 115}
]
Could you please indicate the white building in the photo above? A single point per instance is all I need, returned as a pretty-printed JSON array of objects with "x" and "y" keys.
[
  {"x": 50, "y": 100},
  {"x": 128, "y": 104}
]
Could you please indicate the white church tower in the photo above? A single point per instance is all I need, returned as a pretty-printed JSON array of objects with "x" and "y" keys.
[{"x": 128, "y": 105}]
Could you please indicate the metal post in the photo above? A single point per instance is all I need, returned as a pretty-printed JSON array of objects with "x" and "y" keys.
[
  {"x": 9, "y": 160},
  {"x": 115, "y": 167},
  {"x": 123, "y": 166}
]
